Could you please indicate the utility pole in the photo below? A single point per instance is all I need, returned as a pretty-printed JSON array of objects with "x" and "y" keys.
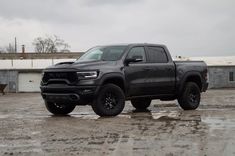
[
  {"x": 15, "y": 45},
  {"x": 23, "y": 52},
  {"x": 23, "y": 49},
  {"x": 10, "y": 49}
]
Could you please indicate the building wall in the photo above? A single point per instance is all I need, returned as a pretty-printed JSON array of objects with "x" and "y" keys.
[
  {"x": 219, "y": 76},
  {"x": 30, "y": 64},
  {"x": 11, "y": 79}
]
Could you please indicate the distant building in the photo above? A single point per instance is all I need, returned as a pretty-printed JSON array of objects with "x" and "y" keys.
[
  {"x": 221, "y": 71},
  {"x": 23, "y": 72}
]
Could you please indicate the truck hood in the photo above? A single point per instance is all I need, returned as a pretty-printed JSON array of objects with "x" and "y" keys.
[{"x": 83, "y": 65}]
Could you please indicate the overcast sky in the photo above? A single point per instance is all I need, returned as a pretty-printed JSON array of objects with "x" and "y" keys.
[{"x": 187, "y": 27}]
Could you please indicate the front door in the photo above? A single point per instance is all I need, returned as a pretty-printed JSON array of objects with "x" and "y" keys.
[{"x": 135, "y": 73}]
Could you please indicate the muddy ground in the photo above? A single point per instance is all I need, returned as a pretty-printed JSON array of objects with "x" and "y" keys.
[{"x": 28, "y": 129}]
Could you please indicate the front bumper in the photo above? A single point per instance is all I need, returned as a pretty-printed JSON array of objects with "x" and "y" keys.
[
  {"x": 53, "y": 97},
  {"x": 65, "y": 93}
]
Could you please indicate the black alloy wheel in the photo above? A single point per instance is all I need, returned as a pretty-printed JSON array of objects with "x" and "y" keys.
[
  {"x": 191, "y": 96},
  {"x": 110, "y": 101}
]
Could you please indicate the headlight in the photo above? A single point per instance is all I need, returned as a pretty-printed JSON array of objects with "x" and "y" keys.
[{"x": 87, "y": 75}]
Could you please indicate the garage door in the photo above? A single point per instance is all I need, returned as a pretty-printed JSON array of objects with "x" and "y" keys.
[{"x": 29, "y": 82}]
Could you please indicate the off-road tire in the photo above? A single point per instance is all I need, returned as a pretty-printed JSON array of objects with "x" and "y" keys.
[
  {"x": 110, "y": 101},
  {"x": 59, "y": 108},
  {"x": 141, "y": 103},
  {"x": 190, "y": 97}
]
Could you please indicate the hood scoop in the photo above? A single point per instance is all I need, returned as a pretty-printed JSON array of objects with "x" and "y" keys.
[{"x": 61, "y": 63}]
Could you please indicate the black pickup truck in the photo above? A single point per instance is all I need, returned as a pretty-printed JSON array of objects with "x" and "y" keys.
[{"x": 105, "y": 76}]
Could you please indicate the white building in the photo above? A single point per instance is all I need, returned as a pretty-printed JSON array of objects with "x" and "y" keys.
[{"x": 24, "y": 75}]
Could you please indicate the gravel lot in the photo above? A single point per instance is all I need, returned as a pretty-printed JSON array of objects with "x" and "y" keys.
[{"x": 27, "y": 128}]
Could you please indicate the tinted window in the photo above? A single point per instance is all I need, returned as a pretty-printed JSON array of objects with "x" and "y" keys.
[
  {"x": 231, "y": 76},
  {"x": 157, "y": 55},
  {"x": 137, "y": 53},
  {"x": 105, "y": 53}
]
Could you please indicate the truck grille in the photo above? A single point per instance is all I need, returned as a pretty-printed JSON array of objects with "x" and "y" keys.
[{"x": 71, "y": 77}]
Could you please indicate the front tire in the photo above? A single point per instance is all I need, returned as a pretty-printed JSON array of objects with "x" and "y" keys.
[
  {"x": 110, "y": 101},
  {"x": 59, "y": 108},
  {"x": 141, "y": 103},
  {"x": 191, "y": 96}
]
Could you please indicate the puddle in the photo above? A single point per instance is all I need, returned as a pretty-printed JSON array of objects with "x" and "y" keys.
[
  {"x": 87, "y": 116},
  {"x": 4, "y": 116},
  {"x": 164, "y": 115},
  {"x": 216, "y": 123},
  {"x": 159, "y": 115}
]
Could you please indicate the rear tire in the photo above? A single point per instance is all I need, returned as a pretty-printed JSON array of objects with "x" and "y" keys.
[
  {"x": 191, "y": 96},
  {"x": 59, "y": 108},
  {"x": 141, "y": 103},
  {"x": 110, "y": 101}
]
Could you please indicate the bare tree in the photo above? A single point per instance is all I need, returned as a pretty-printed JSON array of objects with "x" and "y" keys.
[{"x": 50, "y": 44}]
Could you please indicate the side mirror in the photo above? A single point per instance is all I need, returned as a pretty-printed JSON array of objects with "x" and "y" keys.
[{"x": 130, "y": 60}]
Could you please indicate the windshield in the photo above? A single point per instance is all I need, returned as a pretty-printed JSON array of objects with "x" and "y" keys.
[{"x": 107, "y": 53}]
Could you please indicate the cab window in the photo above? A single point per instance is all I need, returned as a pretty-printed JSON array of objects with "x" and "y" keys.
[
  {"x": 157, "y": 55},
  {"x": 137, "y": 53}
]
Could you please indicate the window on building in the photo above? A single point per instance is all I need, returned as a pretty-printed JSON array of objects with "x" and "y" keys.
[
  {"x": 157, "y": 55},
  {"x": 231, "y": 76}
]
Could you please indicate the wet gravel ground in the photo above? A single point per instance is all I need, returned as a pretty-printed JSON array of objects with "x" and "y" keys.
[{"x": 28, "y": 129}]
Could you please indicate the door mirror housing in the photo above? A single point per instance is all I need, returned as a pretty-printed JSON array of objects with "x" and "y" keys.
[{"x": 132, "y": 60}]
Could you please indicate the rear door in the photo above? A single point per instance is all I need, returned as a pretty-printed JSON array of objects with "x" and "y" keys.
[
  {"x": 161, "y": 71},
  {"x": 135, "y": 73}
]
